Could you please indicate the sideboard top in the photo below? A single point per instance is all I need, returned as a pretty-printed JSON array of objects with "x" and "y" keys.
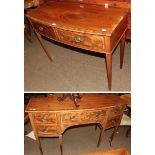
[
  {"x": 86, "y": 18},
  {"x": 88, "y": 101}
]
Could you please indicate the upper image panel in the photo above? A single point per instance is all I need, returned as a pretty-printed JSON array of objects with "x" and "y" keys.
[{"x": 77, "y": 45}]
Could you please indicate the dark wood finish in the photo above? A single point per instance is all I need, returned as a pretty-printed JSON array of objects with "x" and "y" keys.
[
  {"x": 119, "y": 151},
  {"x": 50, "y": 118},
  {"x": 90, "y": 27}
]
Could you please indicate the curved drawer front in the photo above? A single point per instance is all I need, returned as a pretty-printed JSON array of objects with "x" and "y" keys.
[
  {"x": 45, "y": 118},
  {"x": 81, "y": 40},
  {"x": 46, "y": 130},
  {"x": 112, "y": 122},
  {"x": 44, "y": 30},
  {"x": 116, "y": 111},
  {"x": 83, "y": 117}
]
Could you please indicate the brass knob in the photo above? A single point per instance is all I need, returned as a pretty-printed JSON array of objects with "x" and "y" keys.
[
  {"x": 41, "y": 28},
  {"x": 78, "y": 39},
  {"x": 46, "y": 130},
  {"x": 72, "y": 117}
]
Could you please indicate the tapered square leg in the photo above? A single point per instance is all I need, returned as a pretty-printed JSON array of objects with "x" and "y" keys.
[
  {"x": 39, "y": 145},
  {"x": 60, "y": 142},
  {"x": 122, "y": 48},
  {"x": 109, "y": 69},
  {"x": 43, "y": 46},
  {"x": 101, "y": 136}
]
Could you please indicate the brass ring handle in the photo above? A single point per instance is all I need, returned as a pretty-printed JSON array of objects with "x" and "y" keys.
[
  {"x": 98, "y": 114},
  {"x": 44, "y": 118},
  {"x": 41, "y": 28},
  {"x": 72, "y": 117},
  {"x": 113, "y": 122},
  {"x": 78, "y": 39},
  {"x": 46, "y": 130}
]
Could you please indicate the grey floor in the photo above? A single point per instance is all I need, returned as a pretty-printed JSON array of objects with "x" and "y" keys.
[
  {"x": 77, "y": 141},
  {"x": 72, "y": 69}
]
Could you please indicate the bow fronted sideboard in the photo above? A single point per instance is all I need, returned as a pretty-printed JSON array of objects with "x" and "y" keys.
[{"x": 50, "y": 117}]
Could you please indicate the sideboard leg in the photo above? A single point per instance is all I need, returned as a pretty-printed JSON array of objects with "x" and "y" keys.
[
  {"x": 60, "y": 142},
  {"x": 122, "y": 47},
  {"x": 101, "y": 136},
  {"x": 39, "y": 145},
  {"x": 109, "y": 69},
  {"x": 43, "y": 46},
  {"x": 113, "y": 134}
]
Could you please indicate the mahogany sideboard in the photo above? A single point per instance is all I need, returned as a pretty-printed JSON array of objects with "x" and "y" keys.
[
  {"x": 50, "y": 118},
  {"x": 87, "y": 26}
]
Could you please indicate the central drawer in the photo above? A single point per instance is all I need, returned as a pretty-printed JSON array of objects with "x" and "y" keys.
[
  {"x": 81, "y": 40},
  {"x": 83, "y": 117}
]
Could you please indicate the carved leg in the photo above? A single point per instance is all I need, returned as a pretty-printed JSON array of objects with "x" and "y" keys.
[
  {"x": 122, "y": 47},
  {"x": 39, "y": 145},
  {"x": 43, "y": 46},
  {"x": 60, "y": 142},
  {"x": 101, "y": 136},
  {"x": 109, "y": 69}
]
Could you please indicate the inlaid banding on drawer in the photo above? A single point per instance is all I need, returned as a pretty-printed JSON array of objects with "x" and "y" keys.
[
  {"x": 45, "y": 118},
  {"x": 46, "y": 130},
  {"x": 81, "y": 40},
  {"x": 44, "y": 30}
]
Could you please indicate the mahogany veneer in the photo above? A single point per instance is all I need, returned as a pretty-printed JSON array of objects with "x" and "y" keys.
[
  {"x": 86, "y": 26},
  {"x": 50, "y": 118}
]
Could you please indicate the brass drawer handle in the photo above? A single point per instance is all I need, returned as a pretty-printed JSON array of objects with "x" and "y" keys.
[
  {"x": 113, "y": 122},
  {"x": 72, "y": 117},
  {"x": 98, "y": 114},
  {"x": 41, "y": 28},
  {"x": 46, "y": 130},
  {"x": 78, "y": 39},
  {"x": 117, "y": 110},
  {"x": 44, "y": 118}
]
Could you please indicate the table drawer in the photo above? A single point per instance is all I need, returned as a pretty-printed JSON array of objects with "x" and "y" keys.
[
  {"x": 116, "y": 111},
  {"x": 112, "y": 122},
  {"x": 46, "y": 130},
  {"x": 45, "y": 118},
  {"x": 44, "y": 30},
  {"x": 81, "y": 40},
  {"x": 83, "y": 117}
]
